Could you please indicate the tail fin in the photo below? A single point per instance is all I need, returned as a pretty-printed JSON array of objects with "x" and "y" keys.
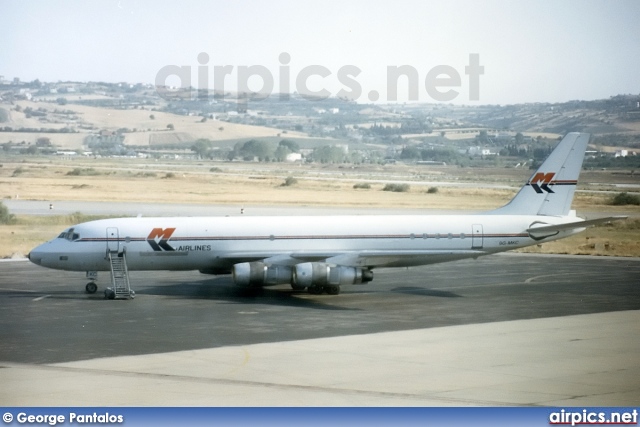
[{"x": 550, "y": 190}]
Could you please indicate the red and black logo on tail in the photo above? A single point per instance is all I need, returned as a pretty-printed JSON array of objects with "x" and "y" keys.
[
  {"x": 163, "y": 235},
  {"x": 545, "y": 179}
]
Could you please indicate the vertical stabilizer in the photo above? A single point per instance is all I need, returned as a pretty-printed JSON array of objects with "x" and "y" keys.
[{"x": 550, "y": 189}]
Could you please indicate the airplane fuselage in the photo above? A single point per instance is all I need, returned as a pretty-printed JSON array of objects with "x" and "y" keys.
[{"x": 215, "y": 244}]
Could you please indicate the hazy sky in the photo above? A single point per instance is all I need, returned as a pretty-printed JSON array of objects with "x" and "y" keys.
[{"x": 531, "y": 51}]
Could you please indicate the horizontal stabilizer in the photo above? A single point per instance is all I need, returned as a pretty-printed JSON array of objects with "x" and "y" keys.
[{"x": 544, "y": 229}]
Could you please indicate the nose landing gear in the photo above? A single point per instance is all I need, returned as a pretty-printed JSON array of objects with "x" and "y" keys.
[{"x": 91, "y": 288}]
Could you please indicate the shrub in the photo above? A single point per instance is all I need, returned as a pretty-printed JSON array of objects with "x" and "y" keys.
[
  {"x": 289, "y": 181},
  {"x": 5, "y": 216},
  {"x": 362, "y": 185},
  {"x": 170, "y": 175},
  {"x": 625, "y": 199},
  {"x": 83, "y": 172},
  {"x": 18, "y": 171},
  {"x": 432, "y": 190},
  {"x": 396, "y": 188}
]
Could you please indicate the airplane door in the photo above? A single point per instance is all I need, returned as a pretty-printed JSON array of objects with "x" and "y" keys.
[
  {"x": 476, "y": 240},
  {"x": 113, "y": 240}
]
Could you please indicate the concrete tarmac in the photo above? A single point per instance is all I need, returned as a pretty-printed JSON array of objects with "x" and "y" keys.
[{"x": 509, "y": 329}]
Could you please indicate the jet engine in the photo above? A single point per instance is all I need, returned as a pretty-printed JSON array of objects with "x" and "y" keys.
[
  {"x": 257, "y": 274},
  {"x": 318, "y": 274}
]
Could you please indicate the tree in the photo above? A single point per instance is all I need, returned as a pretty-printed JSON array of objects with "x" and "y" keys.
[
  {"x": 328, "y": 154},
  {"x": 43, "y": 141},
  {"x": 519, "y": 138},
  {"x": 203, "y": 147},
  {"x": 291, "y": 145},
  {"x": 410, "y": 153},
  {"x": 281, "y": 153},
  {"x": 483, "y": 138},
  {"x": 253, "y": 148}
]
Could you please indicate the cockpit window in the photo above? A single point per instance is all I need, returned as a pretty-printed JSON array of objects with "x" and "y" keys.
[{"x": 69, "y": 235}]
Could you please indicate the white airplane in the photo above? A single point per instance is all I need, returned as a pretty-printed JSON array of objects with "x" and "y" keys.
[{"x": 321, "y": 253}]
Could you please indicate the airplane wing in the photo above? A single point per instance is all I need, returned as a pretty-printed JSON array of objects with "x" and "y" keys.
[
  {"x": 367, "y": 258},
  {"x": 372, "y": 258}
]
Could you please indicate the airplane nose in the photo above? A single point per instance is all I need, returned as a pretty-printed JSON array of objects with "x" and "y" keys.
[{"x": 34, "y": 257}]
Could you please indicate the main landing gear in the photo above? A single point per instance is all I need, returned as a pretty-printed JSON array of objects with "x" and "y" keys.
[{"x": 319, "y": 290}]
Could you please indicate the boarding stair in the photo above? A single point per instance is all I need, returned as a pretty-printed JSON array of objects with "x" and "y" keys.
[{"x": 120, "y": 287}]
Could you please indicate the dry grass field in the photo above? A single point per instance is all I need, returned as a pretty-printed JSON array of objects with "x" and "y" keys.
[{"x": 132, "y": 180}]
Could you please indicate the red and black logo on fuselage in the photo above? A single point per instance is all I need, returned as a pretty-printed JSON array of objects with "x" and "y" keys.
[{"x": 158, "y": 239}]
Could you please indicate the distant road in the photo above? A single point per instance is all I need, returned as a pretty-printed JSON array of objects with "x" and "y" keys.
[{"x": 35, "y": 207}]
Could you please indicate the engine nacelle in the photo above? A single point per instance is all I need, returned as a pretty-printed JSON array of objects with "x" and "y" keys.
[
  {"x": 257, "y": 274},
  {"x": 321, "y": 274}
]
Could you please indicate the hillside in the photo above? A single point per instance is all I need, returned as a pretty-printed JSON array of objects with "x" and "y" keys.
[
  {"x": 617, "y": 115},
  {"x": 141, "y": 127},
  {"x": 67, "y": 114}
]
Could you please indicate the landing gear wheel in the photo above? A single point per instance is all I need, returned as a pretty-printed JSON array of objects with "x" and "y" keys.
[
  {"x": 132, "y": 294},
  {"x": 315, "y": 290},
  {"x": 109, "y": 294},
  {"x": 333, "y": 289},
  {"x": 91, "y": 288},
  {"x": 297, "y": 287}
]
